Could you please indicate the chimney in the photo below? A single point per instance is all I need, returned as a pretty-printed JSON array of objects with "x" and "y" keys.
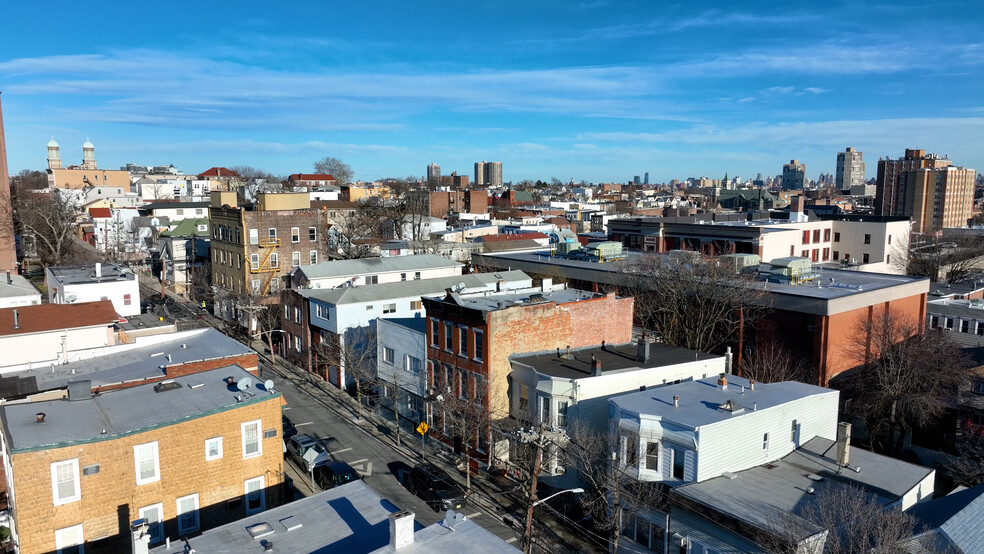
[
  {"x": 723, "y": 382},
  {"x": 498, "y": 285},
  {"x": 99, "y": 272},
  {"x": 727, "y": 360},
  {"x": 642, "y": 350},
  {"x": 843, "y": 444},
  {"x": 568, "y": 356},
  {"x": 595, "y": 367},
  {"x": 10, "y": 279},
  {"x": 401, "y": 529},
  {"x": 676, "y": 400},
  {"x": 546, "y": 285},
  {"x": 751, "y": 384},
  {"x": 139, "y": 537},
  {"x": 39, "y": 417},
  {"x": 16, "y": 320}
]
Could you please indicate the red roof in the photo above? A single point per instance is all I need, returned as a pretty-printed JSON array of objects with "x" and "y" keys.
[
  {"x": 513, "y": 236},
  {"x": 49, "y": 317},
  {"x": 100, "y": 212},
  {"x": 218, "y": 172},
  {"x": 311, "y": 177}
]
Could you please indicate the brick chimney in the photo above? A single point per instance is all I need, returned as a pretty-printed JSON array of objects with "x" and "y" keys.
[{"x": 723, "y": 382}]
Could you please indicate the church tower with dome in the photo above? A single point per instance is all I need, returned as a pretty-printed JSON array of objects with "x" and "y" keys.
[
  {"x": 54, "y": 156},
  {"x": 88, "y": 155}
]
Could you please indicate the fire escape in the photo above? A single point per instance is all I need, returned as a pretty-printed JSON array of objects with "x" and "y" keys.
[{"x": 267, "y": 247}]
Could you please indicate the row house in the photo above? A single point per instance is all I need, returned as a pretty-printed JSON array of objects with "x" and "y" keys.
[{"x": 373, "y": 271}]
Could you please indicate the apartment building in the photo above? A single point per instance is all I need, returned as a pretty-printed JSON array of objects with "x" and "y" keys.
[
  {"x": 186, "y": 455},
  {"x": 253, "y": 247},
  {"x": 793, "y": 175},
  {"x": 926, "y": 187},
  {"x": 850, "y": 170},
  {"x": 470, "y": 201},
  {"x": 373, "y": 271}
]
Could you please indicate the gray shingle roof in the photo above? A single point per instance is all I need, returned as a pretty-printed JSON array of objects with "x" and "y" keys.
[
  {"x": 345, "y": 268},
  {"x": 405, "y": 289}
]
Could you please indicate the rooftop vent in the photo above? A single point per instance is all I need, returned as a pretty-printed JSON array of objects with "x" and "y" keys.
[
  {"x": 166, "y": 385},
  {"x": 79, "y": 390},
  {"x": 732, "y": 407},
  {"x": 39, "y": 417}
]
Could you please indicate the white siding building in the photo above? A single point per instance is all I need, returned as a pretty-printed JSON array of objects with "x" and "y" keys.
[
  {"x": 373, "y": 271},
  {"x": 84, "y": 283},
  {"x": 49, "y": 334},
  {"x": 16, "y": 290},
  {"x": 401, "y": 355}
]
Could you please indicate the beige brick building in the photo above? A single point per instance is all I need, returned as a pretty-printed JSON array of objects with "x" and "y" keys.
[{"x": 187, "y": 458}]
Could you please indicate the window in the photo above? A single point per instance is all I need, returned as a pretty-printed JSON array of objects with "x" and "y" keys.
[
  {"x": 826, "y": 254},
  {"x": 389, "y": 308},
  {"x": 478, "y": 344},
  {"x": 254, "y": 261},
  {"x": 70, "y": 540},
  {"x": 804, "y": 254},
  {"x": 295, "y": 259},
  {"x": 765, "y": 441},
  {"x": 416, "y": 305},
  {"x": 447, "y": 335},
  {"x": 126, "y": 299},
  {"x": 321, "y": 311},
  {"x": 792, "y": 432},
  {"x": 949, "y": 323},
  {"x": 679, "y": 462},
  {"x": 631, "y": 450},
  {"x": 254, "y": 236},
  {"x": 412, "y": 364},
  {"x": 836, "y": 255},
  {"x": 562, "y": 413},
  {"x": 980, "y": 328},
  {"x": 416, "y": 276},
  {"x": 255, "y": 284},
  {"x": 434, "y": 332},
  {"x": 837, "y": 237},
  {"x": 155, "y": 521},
  {"x": 826, "y": 235},
  {"x": 213, "y": 449},
  {"x": 867, "y": 239},
  {"x": 297, "y": 314},
  {"x": 147, "y": 464},
  {"x": 372, "y": 279},
  {"x": 313, "y": 257},
  {"x": 297, "y": 343},
  {"x": 806, "y": 237},
  {"x": 403, "y": 276},
  {"x": 524, "y": 399},
  {"x": 252, "y": 446},
  {"x": 312, "y": 234},
  {"x": 964, "y": 326},
  {"x": 816, "y": 255},
  {"x": 187, "y": 514},
  {"x": 888, "y": 258},
  {"x": 463, "y": 384},
  {"x": 274, "y": 260},
  {"x": 272, "y": 234},
  {"x": 179, "y": 211},
  {"x": 295, "y": 234},
  {"x": 65, "y": 481},
  {"x": 388, "y": 354},
  {"x": 889, "y": 239},
  {"x": 463, "y": 341},
  {"x": 865, "y": 258},
  {"x": 816, "y": 235},
  {"x": 652, "y": 455},
  {"x": 977, "y": 387},
  {"x": 545, "y": 410},
  {"x": 255, "y": 496}
]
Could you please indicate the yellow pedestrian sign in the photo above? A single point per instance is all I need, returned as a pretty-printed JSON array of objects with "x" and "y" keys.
[{"x": 422, "y": 428}]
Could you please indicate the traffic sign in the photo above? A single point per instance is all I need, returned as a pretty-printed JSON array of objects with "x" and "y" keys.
[{"x": 422, "y": 428}]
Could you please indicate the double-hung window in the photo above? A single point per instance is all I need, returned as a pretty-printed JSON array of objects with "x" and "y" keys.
[
  {"x": 312, "y": 234},
  {"x": 388, "y": 355},
  {"x": 252, "y": 445},
  {"x": 463, "y": 341},
  {"x": 213, "y": 449},
  {"x": 187, "y": 509},
  {"x": 70, "y": 540},
  {"x": 146, "y": 463},
  {"x": 652, "y": 456},
  {"x": 389, "y": 308},
  {"x": 295, "y": 258},
  {"x": 447, "y": 335},
  {"x": 65, "y": 481},
  {"x": 478, "y": 344},
  {"x": 313, "y": 255},
  {"x": 434, "y": 332},
  {"x": 255, "y": 495},
  {"x": 154, "y": 514},
  {"x": 295, "y": 234}
]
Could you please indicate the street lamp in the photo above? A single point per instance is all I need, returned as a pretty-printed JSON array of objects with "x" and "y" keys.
[
  {"x": 575, "y": 490},
  {"x": 528, "y": 535}
]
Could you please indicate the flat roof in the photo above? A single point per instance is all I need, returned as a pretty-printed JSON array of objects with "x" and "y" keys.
[
  {"x": 417, "y": 324},
  {"x": 116, "y": 414},
  {"x": 18, "y": 286},
  {"x": 412, "y": 288},
  {"x": 348, "y": 268},
  {"x": 140, "y": 360},
  {"x": 351, "y": 518},
  {"x": 699, "y": 399},
  {"x": 75, "y": 274},
  {"x": 505, "y": 300},
  {"x": 613, "y": 358},
  {"x": 770, "y": 493}
]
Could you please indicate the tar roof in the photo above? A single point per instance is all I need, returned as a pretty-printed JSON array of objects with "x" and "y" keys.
[
  {"x": 699, "y": 400},
  {"x": 765, "y": 494},
  {"x": 612, "y": 358},
  {"x": 73, "y": 274},
  {"x": 48, "y": 317},
  {"x": 347, "y": 268},
  {"x": 505, "y": 300},
  {"x": 413, "y": 288},
  {"x": 350, "y": 518},
  {"x": 119, "y": 413},
  {"x": 140, "y": 360}
]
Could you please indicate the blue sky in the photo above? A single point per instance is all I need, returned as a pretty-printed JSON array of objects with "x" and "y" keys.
[{"x": 592, "y": 90}]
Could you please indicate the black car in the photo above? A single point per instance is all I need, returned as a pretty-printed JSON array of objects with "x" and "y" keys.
[
  {"x": 288, "y": 425},
  {"x": 333, "y": 474},
  {"x": 436, "y": 488}
]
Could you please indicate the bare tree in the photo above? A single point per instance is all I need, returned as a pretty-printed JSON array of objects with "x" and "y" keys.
[
  {"x": 952, "y": 259},
  {"x": 341, "y": 171},
  {"x": 771, "y": 363},
  {"x": 841, "y": 519},
  {"x": 691, "y": 302},
  {"x": 907, "y": 378},
  {"x": 247, "y": 180},
  {"x": 354, "y": 355},
  {"x": 465, "y": 406},
  {"x": 353, "y": 234},
  {"x": 48, "y": 216}
]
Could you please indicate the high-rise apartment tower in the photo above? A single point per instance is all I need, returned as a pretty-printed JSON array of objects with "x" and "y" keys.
[
  {"x": 927, "y": 188},
  {"x": 793, "y": 175},
  {"x": 850, "y": 169}
]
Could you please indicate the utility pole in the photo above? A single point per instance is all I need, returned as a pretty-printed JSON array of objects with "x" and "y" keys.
[{"x": 528, "y": 533}]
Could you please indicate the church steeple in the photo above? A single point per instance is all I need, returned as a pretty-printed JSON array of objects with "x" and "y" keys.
[
  {"x": 88, "y": 155},
  {"x": 54, "y": 155}
]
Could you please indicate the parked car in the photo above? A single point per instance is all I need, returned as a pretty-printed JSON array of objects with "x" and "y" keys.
[
  {"x": 436, "y": 487},
  {"x": 288, "y": 425},
  {"x": 298, "y": 447},
  {"x": 333, "y": 474}
]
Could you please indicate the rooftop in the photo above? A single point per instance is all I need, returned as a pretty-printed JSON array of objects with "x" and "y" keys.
[
  {"x": 348, "y": 268},
  {"x": 49, "y": 317},
  {"x": 954, "y": 522},
  {"x": 505, "y": 300},
  {"x": 613, "y": 358},
  {"x": 170, "y": 205},
  {"x": 18, "y": 286},
  {"x": 188, "y": 228},
  {"x": 351, "y": 518},
  {"x": 700, "y": 400},
  {"x": 124, "y": 412},
  {"x": 788, "y": 480},
  {"x": 417, "y": 324},
  {"x": 416, "y": 288},
  {"x": 140, "y": 360},
  {"x": 77, "y": 274}
]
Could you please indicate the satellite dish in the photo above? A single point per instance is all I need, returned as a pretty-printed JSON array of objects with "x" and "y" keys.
[
  {"x": 244, "y": 384},
  {"x": 268, "y": 385},
  {"x": 453, "y": 518},
  {"x": 71, "y": 298}
]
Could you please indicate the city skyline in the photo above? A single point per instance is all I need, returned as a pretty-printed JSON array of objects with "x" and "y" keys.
[{"x": 597, "y": 91}]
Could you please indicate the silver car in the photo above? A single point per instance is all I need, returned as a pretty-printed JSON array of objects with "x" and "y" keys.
[{"x": 306, "y": 451}]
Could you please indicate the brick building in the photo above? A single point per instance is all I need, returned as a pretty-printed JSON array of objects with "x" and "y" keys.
[
  {"x": 470, "y": 338},
  {"x": 8, "y": 250},
  {"x": 927, "y": 188},
  {"x": 468, "y": 201},
  {"x": 255, "y": 246},
  {"x": 187, "y": 455}
]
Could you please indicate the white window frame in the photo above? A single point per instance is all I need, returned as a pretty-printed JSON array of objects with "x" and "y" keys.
[
  {"x": 254, "y": 261},
  {"x": 259, "y": 439},
  {"x": 156, "y": 525},
  {"x": 295, "y": 259},
  {"x": 62, "y": 543},
  {"x": 313, "y": 257},
  {"x": 177, "y": 503},
  {"x": 157, "y": 463},
  {"x": 389, "y": 308},
  {"x": 388, "y": 355},
  {"x": 75, "y": 476},
  {"x": 208, "y": 457},
  {"x": 246, "y": 485},
  {"x": 274, "y": 260},
  {"x": 312, "y": 234},
  {"x": 254, "y": 236},
  {"x": 295, "y": 234}
]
